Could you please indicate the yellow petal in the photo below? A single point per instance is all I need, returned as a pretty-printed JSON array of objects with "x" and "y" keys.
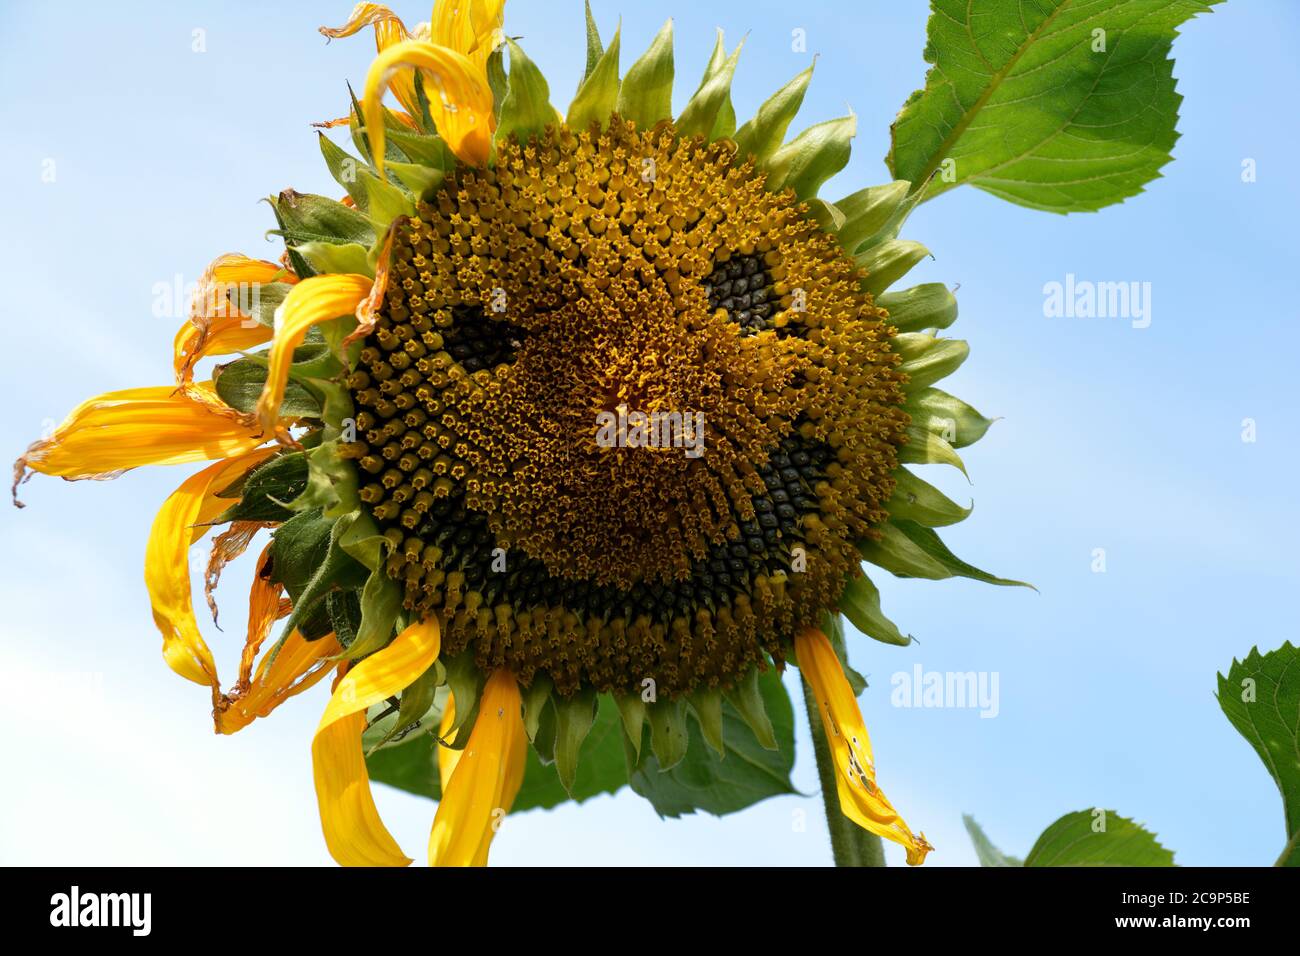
[
  {"x": 448, "y": 757},
  {"x": 472, "y": 27},
  {"x": 460, "y": 99},
  {"x": 389, "y": 30},
  {"x": 486, "y": 779},
  {"x": 855, "y": 772},
  {"x": 216, "y": 326},
  {"x": 285, "y": 672},
  {"x": 311, "y": 301},
  {"x": 180, "y": 522},
  {"x": 113, "y": 432},
  {"x": 353, "y": 831}
]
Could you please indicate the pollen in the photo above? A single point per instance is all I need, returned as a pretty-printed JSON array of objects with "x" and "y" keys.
[{"x": 635, "y": 270}]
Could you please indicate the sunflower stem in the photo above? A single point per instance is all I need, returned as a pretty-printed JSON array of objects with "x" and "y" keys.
[{"x": 850, "y": 844}]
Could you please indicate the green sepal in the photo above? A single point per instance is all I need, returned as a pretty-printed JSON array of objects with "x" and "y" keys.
[
  {"x": 826, "y": 214},
  {"x": 927, "y": 359},
  {"x": 544, "y": 741},
  {"x": 887, "y": 262},
  {"x": 422, "y": 148},
  {"x": 239, "y": 384},
  {"x": 594, "y": 47},
  {"x": 930, "y": 305},
  {"x": 707, "y": 704},
  {"x": 527, "y": 110},
  {"x": 935, "y": 410},
  {"x": 346, "y": 169},
  {"x": 466, "y": 683},
  {"x": 632, "y": 711},
  {"x": 812, "y": 157},
  {"x": 646, "y": 94},
  {"x": 573, "y": 719},
  {"x": 331, "y": 484},
  {"x": 305, "y": 217},
  {"x": 420, "y": 180},
  {"x": 712, "y": 101},
  {"x": 386, "y": 203},
  {"x": 267, "y": 490},
  {"x": 344, "y": 610},
  {"x": 899, "y": 554},
  {"x": 747, "y": 698},
  {"x": 381, "y": 600},
  {"x": 598, "y": 93},
  {"x": 668, "y": 734},
  {"x": 415, "y": 702},
  {"x": 762, "y": 135},
  {"x": 917, "y": 500},
  {"x": 330, "y": 569},
  {"x": 875, "y": 214},
  {"x": 926, "y": 448},
  {"x": 926, "y": 543},
  {"x": 270, "y": 295},
  {"x": 860, "y": 603},
  {"x": 536, "y": 696},
  {"x": 332, "y": 257}
]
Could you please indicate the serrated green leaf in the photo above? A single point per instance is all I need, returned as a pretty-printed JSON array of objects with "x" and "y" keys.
[
  {"x": 748, "y": 774},
  {"x": 598, "y": 94},
  {"x": 1097, "y": 838},
  {"x": 526, "y": 110},
  {"x": 812, "y": 157},
  {"x": 646, "y": 95},
  {"x": 762, "y": 135},
  {"x": 1261, "y": 697},
  {"x": 928, "y": 306},
  {"x": 860, "y": 603},
  {"x": 988, "y": 854},
  {"x": 1057, "y": 105}
]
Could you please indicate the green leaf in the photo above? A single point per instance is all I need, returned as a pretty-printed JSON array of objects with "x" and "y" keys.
[
  {"x": 927, "y": 306},
  {"x": 527, "y": 110},
  {"x": 860, "y": 603},
  {"x": 988, "y": 854},
  {"x": 762, "y": 135},
  {"x": 646, "y": 96},
  {"x": 239, "y": 385},
  {"x": 268, "y": 489},
  {"x": 1097, "y": 838},
  {"x": 1057, "y": 105},
  {"x": 747, "y": 774},
  {"x": 812, "y": 157},
  {"x": 598, "y": 93},
  {"x": 712, "y": 101},
  {"x": 1261, "y": 696}
]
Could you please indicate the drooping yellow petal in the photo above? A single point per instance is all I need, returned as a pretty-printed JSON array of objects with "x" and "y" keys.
[
  {"x": 448, "y": 757},
  {"x": 389, "y": 30},
  {"x": 116, "y": 431},
  {"x": 485, "y": 780},
  {"x": 855, "y": 772},
  {"x": 314, "y": 300},
  {"x": 180, "y": 522},
  {"x": 353, "y": 831},
  {"x": 285, "y": 672},
  {"x": 460, "y": 99},
  {"x": 216, "y": 325},
  {"x": 472, "y": 27}
]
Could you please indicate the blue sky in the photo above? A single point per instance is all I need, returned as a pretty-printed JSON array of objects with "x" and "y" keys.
[{"x": 1111, "y": 437}]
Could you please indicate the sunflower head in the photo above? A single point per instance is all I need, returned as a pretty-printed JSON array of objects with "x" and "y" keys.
[{"x": 555, "y": 405}]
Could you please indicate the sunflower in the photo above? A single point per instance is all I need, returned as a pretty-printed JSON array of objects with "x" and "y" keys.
[{"x": 551, "y": 406}]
